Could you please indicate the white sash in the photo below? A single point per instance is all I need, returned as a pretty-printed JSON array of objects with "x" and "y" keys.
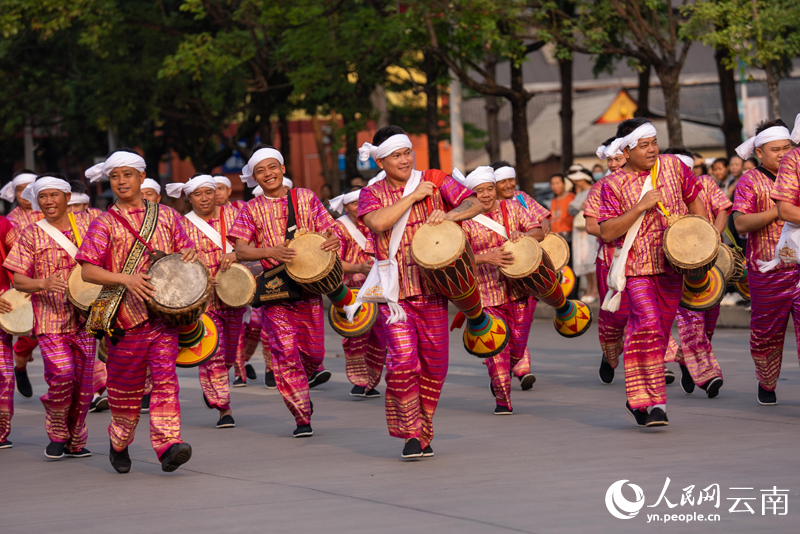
[
  {"x": 354, "y": 231},
  {"x": 491, "y": 224},
  {"x": 58, "y": 237},
  {"x": 208, "y": 230}
]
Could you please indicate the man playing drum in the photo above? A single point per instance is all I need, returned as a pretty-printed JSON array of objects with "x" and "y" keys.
[
  {"x": 205, "y": 226},
  {"x": 766, "y": 197},
  {"x": 8, "y": 236},
  {"x": 295, "y": 329},
  {"x": 147, "y": 342},
  {"x": 418, "y": 346},
  {"x": 497, "y": 296},
  {"x": 634, "y": 200},
  {"x": 41, "y": 261}
]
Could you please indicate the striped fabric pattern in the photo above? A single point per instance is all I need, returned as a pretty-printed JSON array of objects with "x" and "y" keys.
[
  {"x": 99, "y": 377},
  {"x": 214, "y": 376},
  {"x": 695, "y": 329},
  {"x": 518, "y": 319},
  {"x": 22, "y": 219},
  {"x": 249, "y": 337},
  {"x": 364, "y": 357},
  {"x": 787, "y": 181},
  {"x": 536, "y": 210},
  {"x": 610, "y": 325},
  {"x": 752, "y": 195},
  {"x": 6, "y": 385},
  {"x": 519, "y": 328}
]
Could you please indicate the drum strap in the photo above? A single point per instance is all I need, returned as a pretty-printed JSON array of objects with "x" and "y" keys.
[
  {"x": 357, "y": 235},
  {"x": 62, "y": 241},
  {"x": 208, "y": 230},
  {"x": 491, "y": 224}
]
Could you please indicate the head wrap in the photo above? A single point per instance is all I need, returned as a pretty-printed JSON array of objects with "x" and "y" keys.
[
  {"x": 577, "y": 175},
  {"x": 604, "y": 152},
  {"x": 258, "y": 191},
  {"x": 120, "y": 158},
  {"x": 394, "y": 143},
  {"x": 204, "y": 180},
  {"x": 31, "y": 193},
  {"x": 287, "y": 183},
  {"x": 223, "y": 180},
  {"x": 258, "y": 156},
  {"x": 338, "y": 203},
  {"x": 775, "y": 133},
  {"x": 9, "y": 191},
  {"x": 149, "y": 183},
  {"x": 645, "y": 131},
  {"x": 687, "y": 160},
  {"x": 481, "y": 175},
  {"x": 795, "y": 137},
  {"x": 94, "y": 173},
  {"x": 377, "y": 178},
  {"x": 78, "y": 198},
  {"x": 601, "y": 152},
  {"x": 504, "y": 173}
]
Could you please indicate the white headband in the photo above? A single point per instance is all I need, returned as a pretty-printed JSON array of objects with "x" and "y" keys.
[
  {"x": 258, "y": 156},
  {"x": 481, "y": 175},
  {"x": 287, "y": 182},
  {"x": 604, "y": 152},
  {"x": 687, "y": 160},
  {"x": 78, "y": 198},
  {"x": 31, "y": 193},
  {"x": 394, "y": 143},
  {"x": 94, "y": 173},
  {"x": 796, "y": 130},
  {"x": 9, "y": 191},
  {"x": 337, "y": 204},
  {"x": 258, "y": 191},
  {"x": 204, "y": 180},
  {"x": 601, "y": 152},
  {"x": 775, "y": 133},
  {"x": 223, "y": 180},
  {"x": 149, "y": 183},
  {"x": 377, "y": 178},
  {"x": 644, "y": 131},
  {"x": 121, "y": 158},
  {"x": 504, "y": 173}
]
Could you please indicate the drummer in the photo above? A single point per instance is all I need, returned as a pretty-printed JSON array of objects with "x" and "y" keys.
[
  {"x": 364, "y": 355},
  {"x": 295, "y": 329},
  {"x": 145, "y": 342},
  {"x": 41, "y": 262},
  {"x": 204, "y": 226},
  {"x": 497, "y": 297},
  {"x": 417, "y": 347},
  {"x": 8, "y": 235},
  {"x": 654, "y": 289},
  {"x": 694, "y": 354}
]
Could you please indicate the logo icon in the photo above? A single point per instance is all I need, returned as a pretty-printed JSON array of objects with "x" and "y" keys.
[{"x": 618, "y": 505}]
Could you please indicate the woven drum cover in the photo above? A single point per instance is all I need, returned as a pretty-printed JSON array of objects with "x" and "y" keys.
[
  {"x": 558, "y": 250},
  {"x": 527, "y": 257},
  {"x": 691, "y": 241},
  {"x": 434, "y": 247},
  {"x": 311, "y": 261},
  {"x": 725, "y": 262},
  {"x": 19, "y": 322},
  {"x": 81, "y": 293},
  {"x": 236, "y": 286},
  {"x": 178, "y": 284}
]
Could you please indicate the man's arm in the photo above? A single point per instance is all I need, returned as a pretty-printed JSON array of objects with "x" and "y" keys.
[
  {"x": 136, "y": 283},
  {"x": 384, "y": 218},
  {"x": 721, "y": 221},
  {"x": 696, "y": 207},
  {"x": 592, "y": 226},
  {"x": 752, "y": 222},
  {"x": 246, "y": 252},
  {"x": 788, "y": 212},
  {"x": 616, "y": 227}
]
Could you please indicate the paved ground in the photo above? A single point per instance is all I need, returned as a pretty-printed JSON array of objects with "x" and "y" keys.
[{"x": 547, "y": 468}]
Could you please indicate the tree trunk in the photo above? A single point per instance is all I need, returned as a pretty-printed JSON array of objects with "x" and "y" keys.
[
  {"x": 379, "y": 106},
  {"x": 264, "y": 111},
  {"x": 350, "y": 150},
  {"x": 433, "y": 70},
  {"x": 643, "y": 98},
  {"x": 731, "y": 125},
  {"x": 286, "y": 141},
  {"x": 772, "y": 87},
  {"x": 668, "y": 75},
  {"x": 519, "y": 130},
  {"x": 567, "y": 151},
  {"x": 492, "y": 105}
]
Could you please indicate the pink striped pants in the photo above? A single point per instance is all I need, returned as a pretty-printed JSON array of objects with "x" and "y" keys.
[
  {"x": 523, "y": 307},
  {"x": 364, "y": 357},
  {"x": 518, "y": 315},
  {"x": 68, "y": 369},
  {"x": 6, "y": 385},
  {"x": 214, "y": 375},
  {"x": 695, "y": 329},
  {"x": 99, "y": 377},
  {"x": 251, "y": 333},
  {"x": 296, "y": 334},
  {"x": 774, "y": 295},
  {"x": 149, "y": 346},
  {"x": 416, "y": 365},
  {"x": 610, "y": 325}
]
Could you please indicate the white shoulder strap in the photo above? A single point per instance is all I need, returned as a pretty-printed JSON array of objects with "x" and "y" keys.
[
  {"x": 400, "y": 226},
  {"x": 359, "y": 237},
  {"x": 58, "y": 237},
  {"x": 208, "y": 230},
  {"x": 491, "y": 224}
]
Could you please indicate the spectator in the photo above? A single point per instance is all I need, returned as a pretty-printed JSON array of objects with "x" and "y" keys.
[
  {"x": 699, "y": 168},
  {"x": 560, "y": 219},
  {"x": 719, "y": 171},
  {"x": 358, "y": 182},
  {"x": 736, "y": 166},
  {"x": 750, "y": 163},
  {"x": 597, "y": 172},
  {"x": 584, "y": 246}
]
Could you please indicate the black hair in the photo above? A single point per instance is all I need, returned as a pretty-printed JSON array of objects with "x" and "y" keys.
[
  {"x": 724, "y": 161},
  {"x": 500, "y": 164},
  {"x": 352, "y": 188},
  {"x": 679, "y": 151},
  {"x": 563, "y": 178},
  {"x": 763, "y": 125},
  {"x": 195, "y": 175},
  {"x": 385, "y": 133},
  {"x": 78, "y": 187},
  {"x": 628, "y": 126},
  {"x": 52, "y": 175},
  {"x": 753, "y": 160},
  {"x": 609, "y": 141},
  {"x": 23, "y": 171}
]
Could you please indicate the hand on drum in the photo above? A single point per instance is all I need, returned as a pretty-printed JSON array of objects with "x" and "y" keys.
[
  {"x": 281, "y": 253},
  {"x": 188, "y": 255},
  {"x": 515, "y": 236},
  {"x": 227, "y": 260},
  {"x": 545, "y": 226},
  {"x": 53, "y": 284},
  {"x": 650, "y": 199},
  {"x": 138, "y": 285},
  {"x": 5, "y": 306},
  {"x": 331, "y": 244},
  {"x": 436, "y": 217},
  {"x": 498, "y": 257}
]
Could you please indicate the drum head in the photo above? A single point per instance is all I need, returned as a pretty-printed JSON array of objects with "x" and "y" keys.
[
  {"x": 691, "y": 241},
  {"x": 527, "y": 257},
  {"x": 725, "y": 262},
  {"x": 178, "y": 284},
  {"x": 434, "y": 247},
  {"x": 81, "y": 293},
  {"x": 236, "y": 286},
  {"x": 20, "y": 321},
  {"x": 205, "y": 344},
  {"x": 708, "y": 298},
  {"x": 311, "y": 261},
  {"x": 557, "y": 249}
]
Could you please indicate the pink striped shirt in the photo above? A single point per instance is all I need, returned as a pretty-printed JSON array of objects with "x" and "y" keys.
[
  {"x": 713, "y": 198},
  {"x": 94, "y": 212},
  {"x": 22, "y": 219},
  {"x": 752, "y": 195},
  {"x": 536, "y": 210},
  {"x": 787, "y": 182},
  {"x": 605, "y": 251},
  {"x": 351, "y": 252}
]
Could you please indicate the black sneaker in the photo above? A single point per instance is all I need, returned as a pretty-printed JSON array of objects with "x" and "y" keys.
[
  {"x": 240, "y": 382},
  {"x": 55, "y": 451},
  {"x": 269, "y": 380},
  {"x": 502, "y": 410},
  {"x": 303, "y": 431},
  {"x": 93, "y": 405},
  {"x": 146, "y": 403},
  {"x": 23, "y": 383},
  {"x": 491, "y": 389},
  {"x": 177, "y": 455},
  {"x": 427, "y": 452},
  {"x": 102, "y": 404},
  {"x": 526, "y": 381},
  {"x": 657, "y": 417},
  {"x": 318, "y": 378},
  {"x": 226, "y": 421},
  {"x": 687, "y": 382},
  {"x": 208, "y": 404},
  {"x": 712, "y": 387},
  {"x": 358, "y": 391},
  {"x": 412, "y": 449},
  {"x": 83, "y": 453},
  {"x": 638, "y": 415},
  {"x": 6, "y": 444},
  {"x": 606, "y": 372},
  {"x": 250, "y": 372},
  {"x": 669, "y": 376},
  {"x": 766, "y": 398},
  {"x": 372, "y": 394},
  {"x": 310, "y": 408},
  {"x": 120, "y": 461}
]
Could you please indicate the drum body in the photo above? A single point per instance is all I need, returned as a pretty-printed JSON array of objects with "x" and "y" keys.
[
  {"x": 691, "y": 245},
  {"x": 725, "y": 262},
  {"x": 236, "y": 287},
  {"x": 182, "y": 290},
  {"x": 81, "y": 294},
  {"x": 19, "y": 322},
  {"x": 198, "y": 342},
  {"x": 557, "y": 250},
  {"x": 317, "y": 271}
]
